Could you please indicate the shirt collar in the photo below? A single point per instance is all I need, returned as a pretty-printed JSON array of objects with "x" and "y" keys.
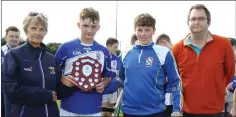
[{"x": 187, "y": 40}]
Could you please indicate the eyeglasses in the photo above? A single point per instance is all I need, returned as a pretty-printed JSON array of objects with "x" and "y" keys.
[
  {"x": 193, "y": 19},
  {"x": 33, "y": 14}
]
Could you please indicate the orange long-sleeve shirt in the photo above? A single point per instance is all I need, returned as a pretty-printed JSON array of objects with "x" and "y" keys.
[{"x": 205, "y": 76}]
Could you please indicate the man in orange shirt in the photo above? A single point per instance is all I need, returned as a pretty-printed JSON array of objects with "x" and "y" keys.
[{"x": 206, "y": 65}]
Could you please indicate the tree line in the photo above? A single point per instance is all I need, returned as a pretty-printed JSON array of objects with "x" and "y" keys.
[{"x": 51, "y": 47}]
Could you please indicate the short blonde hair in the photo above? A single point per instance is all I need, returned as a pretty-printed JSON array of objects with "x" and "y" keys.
[{"x": 35, "y": 18}]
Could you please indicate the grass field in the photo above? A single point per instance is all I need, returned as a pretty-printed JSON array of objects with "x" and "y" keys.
[{"x": 58, "y": 104}]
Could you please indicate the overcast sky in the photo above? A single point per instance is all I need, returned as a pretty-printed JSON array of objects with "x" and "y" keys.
[{"x": 170, "y": 17}]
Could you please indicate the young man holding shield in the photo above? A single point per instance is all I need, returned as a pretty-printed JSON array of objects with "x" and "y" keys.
[{"x": 85, "y": 66}]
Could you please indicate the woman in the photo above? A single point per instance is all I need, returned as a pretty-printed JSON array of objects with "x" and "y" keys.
[{"x": 30, "y": 74}]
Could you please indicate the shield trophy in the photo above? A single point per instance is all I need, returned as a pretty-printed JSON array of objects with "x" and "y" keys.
[{"x": 87, "y": 73}]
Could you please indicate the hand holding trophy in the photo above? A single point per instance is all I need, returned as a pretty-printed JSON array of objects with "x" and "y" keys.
[{"x": 68, "y": 80}]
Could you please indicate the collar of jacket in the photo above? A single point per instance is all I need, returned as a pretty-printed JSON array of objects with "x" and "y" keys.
[
  {"x": 42, "y": 46},
  {"x": 35, "y": 51},
  {"x": 143, "y": 46}
]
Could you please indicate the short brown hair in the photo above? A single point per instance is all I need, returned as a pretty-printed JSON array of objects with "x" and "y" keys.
[
  {"x": 133, "y": 39},
  {"x": 201, "y": 6},
  {"x": 111, "y": 41},
  {"x": 90, "y": 13},
  {"x": 163, "y": 37},
  {"x": 12, "y": 28},
  {"x": 145, "y": 19}
]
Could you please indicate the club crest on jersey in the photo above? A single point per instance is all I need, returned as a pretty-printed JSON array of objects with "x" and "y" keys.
[
  {"x": 28, "y": 69},
  {"x": 98, "y": 56},
  {"x": 87, "y": 49},
  {"x": 113, "y": 65},
  {"x": 52, "y": 70},
  {"x": 149, "y": 61}
]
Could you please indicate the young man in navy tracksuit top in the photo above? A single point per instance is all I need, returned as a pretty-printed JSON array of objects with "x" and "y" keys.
[
  {"x": 109, "y": 100},
  {"x": 12, "y": 38}
]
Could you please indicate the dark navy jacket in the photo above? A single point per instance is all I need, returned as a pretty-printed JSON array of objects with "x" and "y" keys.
[{"x": 29, "y": 75}]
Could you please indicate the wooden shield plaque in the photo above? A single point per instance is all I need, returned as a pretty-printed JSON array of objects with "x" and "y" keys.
[{"x": 87, "y": 73}]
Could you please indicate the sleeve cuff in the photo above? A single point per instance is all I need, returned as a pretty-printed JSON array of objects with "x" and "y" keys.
[{"x": 176, "y": 110}]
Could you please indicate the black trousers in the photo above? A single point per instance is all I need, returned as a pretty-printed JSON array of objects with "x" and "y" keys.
[
  {"x": 7, "y": 106},
  {"x": 169, "y": 110},
  {"x": 161, "y": 114},
  {"x": 2, "y": 105},
  {"x": 202, "y": 115}
]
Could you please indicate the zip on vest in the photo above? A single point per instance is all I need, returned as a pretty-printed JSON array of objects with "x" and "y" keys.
[
  {"x": 43, "y": 81},
  {"x": 140, "y": 55},
  {"x": 22, "y": 111}
]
